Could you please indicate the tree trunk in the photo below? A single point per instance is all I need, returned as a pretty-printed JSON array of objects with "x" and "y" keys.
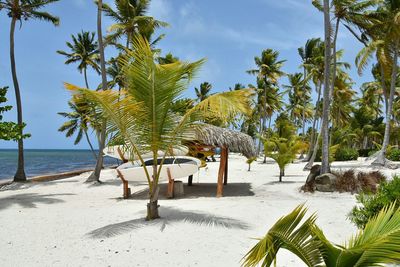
[
  {"x": 90, "y": 144},
  {"x": 381, "y": 157},
  {"x": 326, "y": 102},
  {"x": 20, "y": 175},
  {"x": 259, "y": 139},
  {"x": 313, "y": 130},
  {"x": 95, "y": 176},
  {"x": 152, "y": 206},
  {"x": 304, "y": 101},
  {"x": 310, "y": 163},
  {"x": 281, "y": 174},
  {"x": 86, "y": 80}
]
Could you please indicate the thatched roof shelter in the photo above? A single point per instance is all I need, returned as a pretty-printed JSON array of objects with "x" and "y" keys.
[
  {"x": 227, "y": 140},
  {"x": 222, "y": 137}
]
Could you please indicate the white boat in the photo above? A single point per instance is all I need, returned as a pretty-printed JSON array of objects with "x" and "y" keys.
[
  {"x": 176, "y": 167},
  {"x": 118, "y": 152}
]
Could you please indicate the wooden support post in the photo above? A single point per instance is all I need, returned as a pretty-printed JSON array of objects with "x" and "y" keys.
[
  {"x": 126, "y": 190},
  {"x": 226, "y": 167},
  {"x": 121, "y": 155},
  {"x": 221, "y": 171},
  {"x": 170, "y": 191},
  {"x": 190, "y": 180}
]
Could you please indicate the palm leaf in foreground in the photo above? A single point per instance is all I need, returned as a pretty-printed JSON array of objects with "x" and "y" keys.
[{"x": 378, "y": 243}]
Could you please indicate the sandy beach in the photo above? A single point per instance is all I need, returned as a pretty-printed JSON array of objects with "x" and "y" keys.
[{"x": 70, "y": 223}]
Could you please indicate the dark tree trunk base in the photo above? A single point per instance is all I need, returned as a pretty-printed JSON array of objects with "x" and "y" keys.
[{"x": 152, "y": 211}]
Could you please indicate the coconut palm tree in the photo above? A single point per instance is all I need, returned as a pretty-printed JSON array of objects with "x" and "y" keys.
[
  {"x": 327, "y": 90},
  {"x": 84, "y": 51},
  {"x": 385, "y": 35},
  {"x": 131, "y": 19},
  {"x": 20, "y": 11},
  {"x": 299, "y": 100},
  {"x": 203, "y": 91},
  {"x": 268, "y": 72},
  {"x": 375, "y": 245},
  {"x": 79, "y": 119},
  {"x": 95, "y": 175},
  {"x": 142, "y": 115}
]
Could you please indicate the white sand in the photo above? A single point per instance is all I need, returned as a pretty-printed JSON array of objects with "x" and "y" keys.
[{"x": 69, "y": 223}]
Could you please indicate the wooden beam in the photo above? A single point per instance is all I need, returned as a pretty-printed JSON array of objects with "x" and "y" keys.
[
  {"x": 170, "y": 191},
  {"x": 121, "y": 155},
  {"x": 126, "y": 190},
  {"x": 221, "y": 171},
  {"x": 226, "y": 167}
]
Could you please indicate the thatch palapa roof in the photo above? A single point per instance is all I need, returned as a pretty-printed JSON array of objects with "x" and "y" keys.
[{"x": 220, "y": 137}]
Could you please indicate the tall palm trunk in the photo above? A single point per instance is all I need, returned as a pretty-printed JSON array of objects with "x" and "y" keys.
[
  {"x": 326, "y": 95},
  {"x": 86, "y": 79},
  {"x": 304, "y": 100},
  {"x": 90, "y": 144},
  {"x": 20, "y": 175},
  {"x": 95, "y": 176},
  {"x": 381, "y": 157},
  {"x": 313, "y": 130}
]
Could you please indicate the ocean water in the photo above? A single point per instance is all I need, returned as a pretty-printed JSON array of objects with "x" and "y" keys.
[{"x": 48, "y": 161}]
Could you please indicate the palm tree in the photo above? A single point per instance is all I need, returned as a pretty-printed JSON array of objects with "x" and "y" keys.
[
  {"x": 79, "y": 119},
  {"x": 385, "y": 37},
  {"x": 130, "y": 19},
  {"x": 283, "y": 151},
  {"x": 375, "y": 245},
  {"x": 268, "y": 71},
  {"x": 84, "y": 50},
  {"x": 95, "y": 175},
  {"x": 22, "y": 10},
  {"x": 299, "y": 100},
  {"x": 203, "y": 92},
  {"x": 143, "y": 115},
  {"x": 307, "y": 53}
]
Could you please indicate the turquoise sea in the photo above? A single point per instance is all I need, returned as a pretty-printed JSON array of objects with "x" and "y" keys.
[{"x": 48, "y": 161}]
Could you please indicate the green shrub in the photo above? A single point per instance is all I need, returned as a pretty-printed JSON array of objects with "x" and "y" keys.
[
  {"x": 371, "y": 152},
  {"x": 371, "y": 204},
  {"x": 346, "y": 153},
  {"x": 394, "y": 154}
]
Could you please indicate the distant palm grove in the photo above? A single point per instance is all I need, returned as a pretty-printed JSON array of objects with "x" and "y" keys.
[{"x": 317, "y": 112}]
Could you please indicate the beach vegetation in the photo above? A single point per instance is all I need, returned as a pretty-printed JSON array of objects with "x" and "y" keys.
[
  {"x": 371, "y": 203},
  {"x": 375, "y": 245},
  {"x": 9, "y": 130},
  {"x": 141, "y": 114},
  {"x": 21, "y": 11}
]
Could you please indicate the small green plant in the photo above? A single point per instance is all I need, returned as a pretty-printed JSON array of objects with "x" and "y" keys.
[
  {"x": 250, "y": 161},
  {"x": 371, "y": 204},
  {"x": 346, "y": 154},
  {"x": 283, "y": 151},
  {"x": 394, "y": 154}
]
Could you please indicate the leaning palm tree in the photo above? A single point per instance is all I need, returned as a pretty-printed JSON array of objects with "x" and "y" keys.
[
  {"x": 19, "y": 11},
  {"x": 376, "y": 245},
  {"x": 79, "y": 119},
  {"x": 84, "y": 51},
  {"x": 142, "y": 114},
  {"x": 131, "y": 19}
]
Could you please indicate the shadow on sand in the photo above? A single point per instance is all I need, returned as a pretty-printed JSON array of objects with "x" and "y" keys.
[
  {"x": 169, "y": 216},
  {"x": 198, "y": 190},
  {"x": 30, "y": 200}
]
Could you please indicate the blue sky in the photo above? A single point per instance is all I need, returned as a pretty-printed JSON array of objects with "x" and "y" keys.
[{"x": 227, "y": 33}]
